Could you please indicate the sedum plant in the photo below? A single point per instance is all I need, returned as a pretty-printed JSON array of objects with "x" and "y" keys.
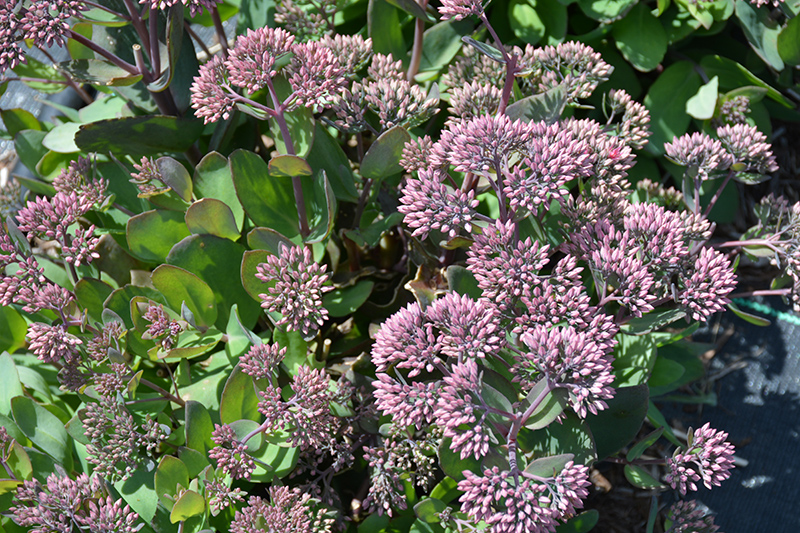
[{"x": 317, "y": 281}]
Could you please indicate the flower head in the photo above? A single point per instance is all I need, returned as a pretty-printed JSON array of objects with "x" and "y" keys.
[
  {"x": 296, "y": 285},
  {"x": 52, "y": 344},
  {"x": 288, "y": 510},
  {"x": 521, "y": 503},
  {"x": 407, "y": 339},
  {"x": 707, "y": 457},
  {"x": 687, "y": 518},
  {"x": 747, "y": 148},
  {"x": 210, "y": 100},
  {"x": 230, "y": 453},
  {"x": 253, "y": 61},
  {"x": 505, "y": 268},
  {"x": 429, "y": 204},
  {"x": 262, "y": 360},
  {"x": 570, "y": 359},
  {"x": 460, "y": 9},
  {"x": 703, "y": 155},
  {"x": 459, "y": 415},
  {"x": 706, "y": 288}
]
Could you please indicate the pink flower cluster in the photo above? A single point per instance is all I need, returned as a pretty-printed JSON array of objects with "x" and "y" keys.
[
  {"x": 313, "y": 70},
  {"x": 708, "y": 457}
]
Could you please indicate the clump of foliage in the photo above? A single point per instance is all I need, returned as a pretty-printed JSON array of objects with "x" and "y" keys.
[{"x": 319, "y": 281}]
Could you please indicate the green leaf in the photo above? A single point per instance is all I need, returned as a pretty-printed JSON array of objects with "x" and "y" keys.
[
  {"x": 762, "y": 32},
  {"x": 462, "y": 281},
  {"x": 789, "y": 42},
  {"x": 281, "y": 460},
  {"x": 33, "y": 68},
  {"x": 525, "y": 21},
  {"x": 12, "y": 331},
  {"x": 666, "y": 102},
  {"x": 703, "y": 104},
  {"x": 216, "y": 261},
  {"x": 550, "y": 407},
  {"x": 239, "y": 399},
  {"x": 428, "y": 510},
  {"x": 296, "y": 349},
  {"x": 98, "y": 71},
  {"x": 383, "y": 24},
  {"x": 446, "y": 490},
  {"x": 441, "y": 43},
  {"x": 148, "y": 135},
  {"x": 288, "y": 166},
  {"x": 176, "y": 177},
  {"x": 171, "y": 476},
  {"x": 383, "y": 157},
  {"x": 546, "y": 106},
  {"x": 152, "y": 234},
  {"x": 44, "y": 429},
  {"x": 19, "y": 462},
  {"x": 571, "y": 435},
  {"x": 753, "y": 319},
  {"x": 198, "y": 427},
  {"x": 188, "y": 505},
  {"x": 268, "y": 239},
  {"x": 605, "y": 11},
  {"x": 250, "y": 261},
  {"x": 639, "y": 448},
  {"x": 615, "y": 427},
  {"x": 733, "y": 75},
  {"x": 213, "y": 179},
  {"x": 657, "y": 419},
  {"x": 665, "y": 377},
  {"x": 91, "y": 293},
  {"x": 326, "y": 154},
  {"x": 452, "y": 464},
  {"x": 653, "y": 321},
  {"x": 641, "y": 38},
  {"x": 212, "y": 217},
  {"x": 413, "y": 8},
  {"x": 639, "y": 477},
  {"x": 486, "y": 49},
  {"x": 321, "y": 206},
  {"x": 581, "y": 523},
  {"x": 549, "y": 466},
  {"x": 18, "y": 119},
  {"x": 180, "y": 286},
  {"x": 267, "y": 200},
  {"x": 195, "y": 461},
  {"x": 120, "y": 299},
  {"x": 139, "y": 491},
  {"x": 634, "y": 357},
  {"x": 255, "y": 14},
  {"x": 345, "y": 301},
  {"x": 10, "y": 384},
  {"x": 29, "y": 147}
]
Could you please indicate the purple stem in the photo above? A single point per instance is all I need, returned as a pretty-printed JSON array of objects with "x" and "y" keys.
[
  {"x": 416, "y": 51},
  {"x": 297, "y": 183},
  {"x": 94, "y": 47},
  {"x": 717, "y": 194},
  {"x": 223, "y": 40}
]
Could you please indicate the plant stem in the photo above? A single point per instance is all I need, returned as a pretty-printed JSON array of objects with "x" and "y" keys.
[
  {"x": 717, "y": 194},
  {"x": 297, "y": 183},
  {"x": 155, "y": 56},
  {"x": 223, "y": 40},
  {"x": 416, "y": 51},
  {"x": 764, "y": 292},
  {"x": 94, "y": 47},
  {"x": 166, "y": 394}
]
